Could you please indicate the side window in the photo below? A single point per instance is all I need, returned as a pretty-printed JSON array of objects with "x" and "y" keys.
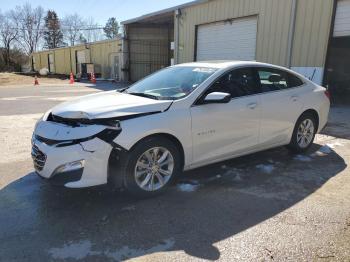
[
  {"x": 238, "y": 83},
  {"x": 294, "y": 81},
  {"x": 272, "y": 79}
]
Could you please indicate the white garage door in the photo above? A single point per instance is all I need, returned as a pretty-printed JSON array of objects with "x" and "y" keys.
[
  {"x": 342, "y": 19},
  {"x": 235, "y": 40}
]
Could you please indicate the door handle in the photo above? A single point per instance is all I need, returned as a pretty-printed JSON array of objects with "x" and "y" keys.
[
  {"x": 294, "y": 98},
  {"x": 252, "y": 105}
]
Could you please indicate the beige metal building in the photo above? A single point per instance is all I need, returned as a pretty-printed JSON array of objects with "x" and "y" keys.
[
  {"x": 103, "y": 57},
  {"x": 309, "y": 36}
]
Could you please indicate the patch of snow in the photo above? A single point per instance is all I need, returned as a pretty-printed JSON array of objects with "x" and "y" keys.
[
  {"x": 129, "y": 208},
  {"x": 186, "y": 187},
  {"x": 127, "y": 253},
  {"x": 334, "y": 144},
  {"x": 223, "y": 167},
  {"x": 323, "y": 151},
  {"x": 237, "y": 178},
  {"x": 83, "y": 249},
  {"x": 268, "y": 169},
  {"x": 76, "y": 251},
  {"x": 234, "y": 173},
  {"x": 303, "y": 158}
]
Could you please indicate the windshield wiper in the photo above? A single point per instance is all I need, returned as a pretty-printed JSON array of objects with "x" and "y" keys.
[
  {"x": 122, "y": 90},
  {"x": 145, "y": 95}
]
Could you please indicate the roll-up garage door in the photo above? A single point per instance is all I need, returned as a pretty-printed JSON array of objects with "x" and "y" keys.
[
  {"x": 342, "y": 19},
  {"x": 229, "y": 40}
]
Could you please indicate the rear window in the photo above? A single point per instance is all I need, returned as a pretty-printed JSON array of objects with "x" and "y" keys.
[
  {"x": 274, "y": 80},
  {"x": 294, "y": 81}
]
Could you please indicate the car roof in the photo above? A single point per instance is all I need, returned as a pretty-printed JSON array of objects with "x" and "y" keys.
[
  {"x": 225, "y": 64},
  {"x": 222, "y": 64}
]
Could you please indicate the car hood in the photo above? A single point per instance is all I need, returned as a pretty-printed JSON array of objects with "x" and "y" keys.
[{"x": 110, "y": 104}]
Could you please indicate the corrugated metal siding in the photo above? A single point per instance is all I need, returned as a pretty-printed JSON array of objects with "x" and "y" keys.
[
  {"x": 74, "y": 50},
  {"x": 312, "y": 29},
  {"x": 149, "y": 49},
  {"x": 273, "y": 25},
  {"x": 62, "y": 58},
  {"x": 98, "y": 53},
  {"x": 274, "y": 17},
  {"x": 342, "y": 19},
  {"x": 102, "y": 55}
]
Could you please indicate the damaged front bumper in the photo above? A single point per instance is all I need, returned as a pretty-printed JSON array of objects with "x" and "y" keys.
[{"x": 73, "y": 156}]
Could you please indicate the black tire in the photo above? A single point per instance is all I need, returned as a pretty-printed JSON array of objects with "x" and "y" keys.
[
  {"x": 130, "y": 184},
  {"x": 294, "y": 146}
]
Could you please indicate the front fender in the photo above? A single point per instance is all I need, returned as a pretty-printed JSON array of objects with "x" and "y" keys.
[{"x": 175, "y": 123}]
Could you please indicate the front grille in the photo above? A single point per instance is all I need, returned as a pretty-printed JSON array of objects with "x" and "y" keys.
[{"x": 39, "y": 158}]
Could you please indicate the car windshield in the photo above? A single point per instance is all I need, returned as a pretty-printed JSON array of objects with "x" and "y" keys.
[{"x": 171, "y": 83}]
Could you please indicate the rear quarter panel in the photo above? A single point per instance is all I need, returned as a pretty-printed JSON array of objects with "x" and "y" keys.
[{"x": 316, "y": 100}]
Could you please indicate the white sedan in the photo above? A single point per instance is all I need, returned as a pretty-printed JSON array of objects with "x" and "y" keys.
[{"x": 179, "y": 118}]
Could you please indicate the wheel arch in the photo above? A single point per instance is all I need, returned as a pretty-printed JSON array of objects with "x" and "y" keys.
[
  {"x": 314, "y": 113},
  {"x": 168, "y": 136},
  {"x": 119, "y": 155}
]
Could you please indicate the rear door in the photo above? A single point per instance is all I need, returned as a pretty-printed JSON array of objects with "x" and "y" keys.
[
  {"x": 223, "y": 130},
  {"x": 281, "y": 105}
]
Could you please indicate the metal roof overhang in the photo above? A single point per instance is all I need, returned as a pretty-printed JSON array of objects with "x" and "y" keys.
[{"x": 162, "y": 16}]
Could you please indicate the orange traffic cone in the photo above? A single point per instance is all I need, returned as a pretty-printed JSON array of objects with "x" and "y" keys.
[
  {"x": 93, "y": 79},
  {"x": 36, "y": 82},
  {"x": 71, "y": 79}
]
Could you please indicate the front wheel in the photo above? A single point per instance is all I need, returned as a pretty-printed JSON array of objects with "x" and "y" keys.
[
  {"x": 304, "y": 134},
  {"x": 153, "y": 164}
]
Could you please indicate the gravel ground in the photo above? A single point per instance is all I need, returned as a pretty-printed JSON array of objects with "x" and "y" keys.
[
  {"x": 12, "y": 79},
  {"x": 263, "y": 207}
]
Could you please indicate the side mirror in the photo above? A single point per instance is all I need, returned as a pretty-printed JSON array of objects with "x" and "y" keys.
[{"x": 217, "y": 98}]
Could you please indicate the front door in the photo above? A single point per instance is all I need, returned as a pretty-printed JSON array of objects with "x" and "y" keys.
[{"x": 224, "y": 130}]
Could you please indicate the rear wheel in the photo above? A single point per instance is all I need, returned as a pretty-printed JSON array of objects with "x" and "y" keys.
[
  {"x": 304, "y": 133},
  {"x": 153, "y": 164}
]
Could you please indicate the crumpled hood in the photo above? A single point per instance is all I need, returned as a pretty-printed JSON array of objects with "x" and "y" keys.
[{"x": 110, "y": 104}]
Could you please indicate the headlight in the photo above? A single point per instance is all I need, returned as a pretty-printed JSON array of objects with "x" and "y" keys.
[{"x": 72, "y": 166}]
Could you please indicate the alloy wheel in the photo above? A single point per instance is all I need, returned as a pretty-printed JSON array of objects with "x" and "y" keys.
[
  {"x": 305, "y": 133},
  {"x": 154, "y": 169}
]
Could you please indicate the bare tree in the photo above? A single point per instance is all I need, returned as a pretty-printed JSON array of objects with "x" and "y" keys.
[
  {"x": 31, "y": 22},
  {"x": 8, "y": 33},
  {"x": 71, "y": 27},
  {"x": 92, "y": 31}
]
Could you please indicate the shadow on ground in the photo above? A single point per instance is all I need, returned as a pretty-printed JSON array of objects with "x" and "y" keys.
[
  {"x": 339, "y": 123},
  {"x": 99, "y": 224}
]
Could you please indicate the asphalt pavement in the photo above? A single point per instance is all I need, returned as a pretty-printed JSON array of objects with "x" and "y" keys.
[{"x": 269, "y": 206}]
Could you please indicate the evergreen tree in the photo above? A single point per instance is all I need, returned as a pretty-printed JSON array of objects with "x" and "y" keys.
[
  {"x": 112, "y": 28},
  {"x": 53, "y": 35}
]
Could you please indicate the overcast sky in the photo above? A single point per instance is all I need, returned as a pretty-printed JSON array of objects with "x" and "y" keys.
[{"x": 100, "y": 10}]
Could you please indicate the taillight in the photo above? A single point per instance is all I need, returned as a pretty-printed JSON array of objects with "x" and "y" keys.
[{"x": 328, "y": 94}]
